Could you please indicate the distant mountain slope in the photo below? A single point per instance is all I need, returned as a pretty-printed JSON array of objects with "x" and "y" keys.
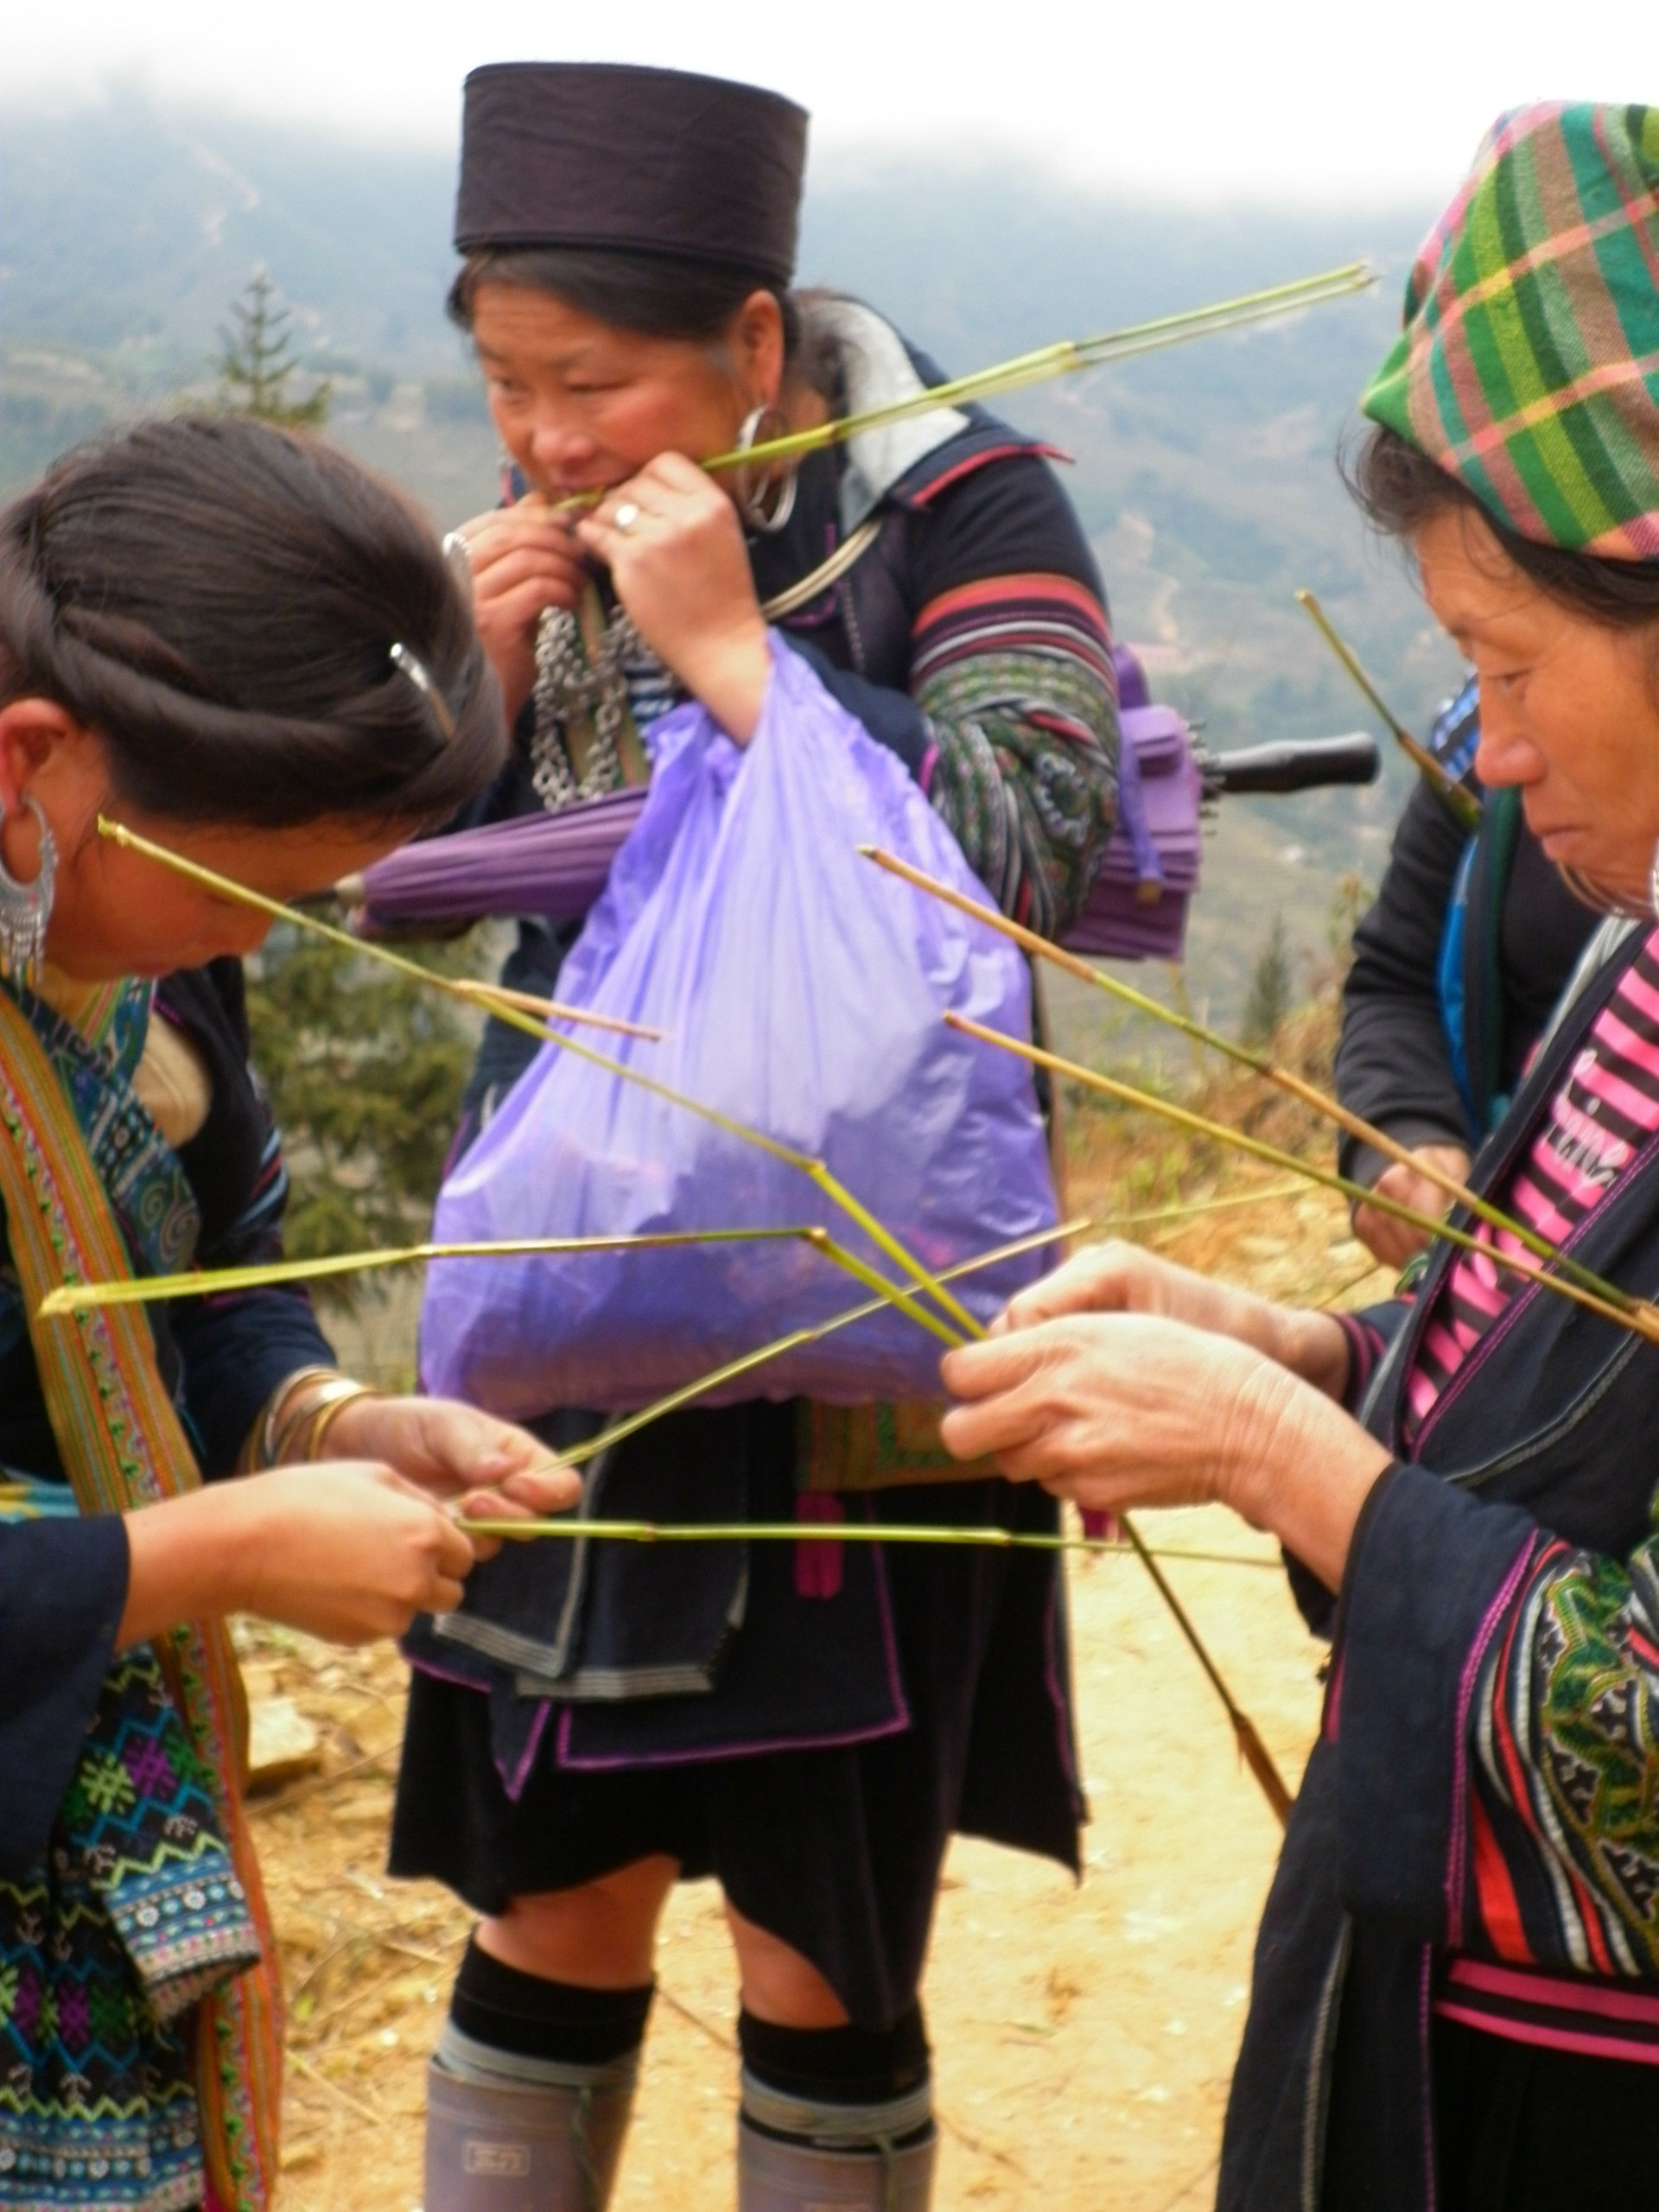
[
  {"x": 128, "y": 228},
  {"x": 1205, "y": 476}
]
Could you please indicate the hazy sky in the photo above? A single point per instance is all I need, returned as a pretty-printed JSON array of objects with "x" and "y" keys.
[{"x": 1304, "y": 99}]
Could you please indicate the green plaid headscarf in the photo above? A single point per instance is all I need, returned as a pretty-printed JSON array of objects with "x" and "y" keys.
[{"x": 1528, "y": 365}]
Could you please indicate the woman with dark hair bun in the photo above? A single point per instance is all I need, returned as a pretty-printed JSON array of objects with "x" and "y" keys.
[
  {"x": 629, "y": 237},
  {"x": 237, "y": 643},
  {"x": 1457, "y": 1982}
]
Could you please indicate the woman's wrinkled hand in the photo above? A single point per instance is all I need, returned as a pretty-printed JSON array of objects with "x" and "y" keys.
[
  {"x": 523, "y": 559},
  {"x": 452, "y": 1451},
  {"x": 681, "y": 569},
  {"x": 1114, "y": 1410},
  {"x": 1124, "y": 1409},
  {"x": 1121, "y": 1278}
]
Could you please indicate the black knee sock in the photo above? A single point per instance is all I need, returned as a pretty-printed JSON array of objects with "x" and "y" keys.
[
  {"x": 840, "y": 2066},
  {"x": 520, "y": 2012}
]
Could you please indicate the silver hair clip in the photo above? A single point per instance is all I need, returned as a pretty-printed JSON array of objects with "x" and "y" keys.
[{"x": 408, "y": 664}]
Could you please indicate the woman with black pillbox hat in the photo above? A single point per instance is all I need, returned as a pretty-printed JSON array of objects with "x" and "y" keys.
[{"x": 810, "y": 1738}]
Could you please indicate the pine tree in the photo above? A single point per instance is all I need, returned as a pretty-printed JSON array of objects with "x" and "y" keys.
[
  {"x": 365, "y": 1071},
  {"x": 1270, "y": 985},
  {"x": 257, "y": 362}
]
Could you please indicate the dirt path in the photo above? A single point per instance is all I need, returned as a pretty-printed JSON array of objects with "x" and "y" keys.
[{"x": 1084, "y": 2035}]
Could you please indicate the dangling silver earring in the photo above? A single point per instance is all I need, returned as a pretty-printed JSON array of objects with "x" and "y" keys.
[
  {"x": 751, "y": 497},
  {"x": 25, "y": 908},
  {"x": 1653, "y": 883}
]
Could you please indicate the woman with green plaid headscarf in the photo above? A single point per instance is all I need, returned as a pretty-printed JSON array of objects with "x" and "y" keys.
[{"x": 1457, "y": 1984}]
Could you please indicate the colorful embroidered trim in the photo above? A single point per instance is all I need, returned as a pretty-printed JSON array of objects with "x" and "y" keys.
[
  {"x": 1015, "y": 679},
  {"x": 122, "y": 1445}
]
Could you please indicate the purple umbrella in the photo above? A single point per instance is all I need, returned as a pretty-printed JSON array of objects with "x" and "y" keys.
[{"x": 555, "y": 865}]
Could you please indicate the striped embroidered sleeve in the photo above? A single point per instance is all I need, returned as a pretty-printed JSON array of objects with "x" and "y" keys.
[
  {"x": 1561, "y": 1848},
  {"x": 1015, "y": 678}
]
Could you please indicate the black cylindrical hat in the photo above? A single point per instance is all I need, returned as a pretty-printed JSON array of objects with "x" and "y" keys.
[{"x": 640, "y": 161}]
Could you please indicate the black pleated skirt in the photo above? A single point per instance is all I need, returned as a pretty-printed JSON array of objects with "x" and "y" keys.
[{"x": 833, "y": 1843}]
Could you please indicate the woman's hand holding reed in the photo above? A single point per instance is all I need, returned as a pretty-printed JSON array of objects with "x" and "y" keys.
[
  {"x": 1118, "y": 1277},
  {"x": 674, "y": 546},
  {"x": 349, "y": 1552},
  {"x": 451, "y": 1451},
  {"x": 523, "y": 559},
  {"x": 1180, "y": 1402}
]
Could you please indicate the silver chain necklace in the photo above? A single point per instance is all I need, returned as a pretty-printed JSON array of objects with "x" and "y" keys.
[{"x": 568, "y": 685}]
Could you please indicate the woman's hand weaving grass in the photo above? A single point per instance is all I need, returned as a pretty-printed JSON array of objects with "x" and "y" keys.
[
  {"x": 347, "y": 1551},
  {"x": 1123, "y": 1381},
  {"x": 453, "y": 1451}
]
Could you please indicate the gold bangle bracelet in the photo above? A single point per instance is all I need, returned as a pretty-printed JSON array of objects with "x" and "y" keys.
[
  {"x": 332, "y": 1399},
  {"x": 288, "y": 1406}
]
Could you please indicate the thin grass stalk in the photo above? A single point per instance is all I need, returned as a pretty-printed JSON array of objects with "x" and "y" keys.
[
  {"x": 1253, "y": 1751},
  {"x": 457, "y": 987},
  {"x": 854, "y": 1532},
  {"x": 1642, "y": 1319},
  {"x": 1298, "y": 1087},
  {"x": 1198, "y": 1206},
  {"x": 1463, "y": 804},
  {"x": 1062, "y": 358},
  {"x": 873, "y": 1279},
  {"x": 894, "y": 1250},
  {"x": 225, "y": 887},
  {"x": 992, "y": 1538},
  {"x": 211, "y": 1282},
  {"x": 493, "y": 996},
  {"x": 575, "y": 1455}
]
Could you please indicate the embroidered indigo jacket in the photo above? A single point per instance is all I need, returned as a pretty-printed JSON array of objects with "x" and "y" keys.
[{"x": 1486, "y": 1787}]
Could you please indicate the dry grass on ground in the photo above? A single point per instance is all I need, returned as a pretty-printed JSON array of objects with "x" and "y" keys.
[{"x": 1084, "y": 2035}]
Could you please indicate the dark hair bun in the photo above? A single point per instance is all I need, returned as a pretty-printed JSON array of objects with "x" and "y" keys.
[{"x": 218, "y": 599}]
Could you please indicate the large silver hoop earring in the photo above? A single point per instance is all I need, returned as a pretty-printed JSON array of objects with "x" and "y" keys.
[
  {"x": 751, "y": 496},
  {"x": 25, "y": 908}
]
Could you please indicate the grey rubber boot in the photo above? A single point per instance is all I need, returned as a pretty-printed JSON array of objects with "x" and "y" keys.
[
  {"x": 832, "y": 2157},
  {"x": 543, "y": 2145}
]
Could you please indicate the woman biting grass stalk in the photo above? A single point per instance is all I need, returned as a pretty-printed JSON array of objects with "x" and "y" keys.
[{"x": 627, "y": 238}]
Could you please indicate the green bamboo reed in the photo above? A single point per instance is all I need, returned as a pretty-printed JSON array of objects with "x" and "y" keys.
[
  {"x": 1461, "y": 803},
  {"x": 1190, "y": 1212},
  {"x": 1064, "y": 358},
  {"x": 993, "y": 1538},
  {"x": 211, "y": 1282},
  {"x": 206, "y": 1282},
  {"x": 1253, "y": 1751},
  {"x": 226, "y": 887},
  {"x": 1638, "y": 1312},
  {"x": 1644, "y": 1321}
]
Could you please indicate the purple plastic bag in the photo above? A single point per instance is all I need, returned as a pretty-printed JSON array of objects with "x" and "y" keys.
[
  {"x": 801, "y": 991},
  {"x": 556, "y": 864}
]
